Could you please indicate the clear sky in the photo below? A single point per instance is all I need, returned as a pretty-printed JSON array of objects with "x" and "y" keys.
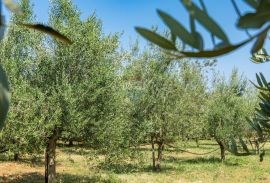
[{"x": 123, "y": 15}]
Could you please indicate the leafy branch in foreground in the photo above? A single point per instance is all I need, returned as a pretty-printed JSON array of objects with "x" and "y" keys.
[
  {"x": 260, "y": 18},
  {"x": 15, "y": 8}
]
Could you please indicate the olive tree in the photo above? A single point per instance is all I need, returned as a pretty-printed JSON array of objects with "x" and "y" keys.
[
  {"x": 159, "y": 91},
  {"x": 228, "y": 110}
]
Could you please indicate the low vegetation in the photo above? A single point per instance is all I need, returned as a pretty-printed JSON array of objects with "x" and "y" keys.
[{"x": 73, "y": 165}]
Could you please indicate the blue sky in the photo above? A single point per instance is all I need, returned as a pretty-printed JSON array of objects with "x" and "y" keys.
[{"x": 123, "y": 15}]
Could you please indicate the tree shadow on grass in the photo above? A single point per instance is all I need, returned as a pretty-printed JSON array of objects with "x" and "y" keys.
[
  {"x": 66, "y": 178},
  {"x": 200, "y": 161},
  {"x": 23, "y": 178},
  {"x": 133, "y": 168}
]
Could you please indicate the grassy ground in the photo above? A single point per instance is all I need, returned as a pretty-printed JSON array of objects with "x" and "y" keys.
[{"x": 177, "y": 167}]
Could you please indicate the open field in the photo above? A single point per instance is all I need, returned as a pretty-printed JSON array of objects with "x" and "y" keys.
[{"x": 177, "y": 167}]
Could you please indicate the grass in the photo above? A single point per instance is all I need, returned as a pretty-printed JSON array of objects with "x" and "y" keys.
[{"x": 177, "y": 167}]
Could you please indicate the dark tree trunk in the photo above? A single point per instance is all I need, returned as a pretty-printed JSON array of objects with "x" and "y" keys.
[
  {"x": 159, "y": 158},
  {"x": 70, "y": 143},
  {"x": 16, "y": 157},
  {"x": 257, "y": 147},
  {"x": 197, "y": 142},
  {"x": 50, "y": 164},
  {"x": 153, "y": 153},
  {"x": 222, "y": 150}
]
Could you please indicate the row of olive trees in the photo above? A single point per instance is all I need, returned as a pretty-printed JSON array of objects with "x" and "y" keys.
[
  {"x": 257, "y": 19},
  {"x": 174, "y": 102},
  {"x": 82, "y": 92}
]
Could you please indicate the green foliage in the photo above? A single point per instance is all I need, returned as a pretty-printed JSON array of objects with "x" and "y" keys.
[
  {"x": 168, "y": 98},
  {"x": 70, "y": 89},
  {"x": 228, "y": 109},
  {"x": 19, "y": 10}
]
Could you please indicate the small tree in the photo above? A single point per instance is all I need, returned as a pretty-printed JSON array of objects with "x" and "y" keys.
[
  {"x": 228, "y": 110},
  {"x": 159, "y": 90}
]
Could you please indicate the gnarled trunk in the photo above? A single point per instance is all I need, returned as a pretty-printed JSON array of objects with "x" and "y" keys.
[
  {"x": 222, "y": 150},
  {"x": 159, "y": 158},
  {"x": 50, "y": 163}
]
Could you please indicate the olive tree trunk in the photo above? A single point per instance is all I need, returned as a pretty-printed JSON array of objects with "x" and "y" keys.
[
  {"x": 153, "y": 153},
  {"x": 222, "y": 150},
  {"x": 159, "y": 158},
  {"x": 50, "y": 163}
]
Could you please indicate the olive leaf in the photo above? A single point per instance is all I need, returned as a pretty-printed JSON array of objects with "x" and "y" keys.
[
  {"x": 205, "y": 20},
  {"x": 156, "y": 39},
  {"x": 253, "y": 20},
  {"x": 259, "y": 42},
  {"x": 257, "y": 19},
  {"x": 223, "y": 50},
  {"x": 259, "y": 80},
  {"x": 47, "y": 30},
  {"x": 199, "y": 40},
  {"x": 178, "y": 29}
]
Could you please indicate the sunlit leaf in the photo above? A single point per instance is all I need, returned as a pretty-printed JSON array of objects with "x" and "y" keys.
[
  {"x": 156, "y": 39},
  {"x": 204, "y": 19},
  {"x": 13, "y": 7},
  {"x": 259, "y": 42},
  {"x": 260, "y": 58},
  {"x": 47, "y": 30},
  {"x": 178, "y": 29},
  {"x": 4, "y": 96}
]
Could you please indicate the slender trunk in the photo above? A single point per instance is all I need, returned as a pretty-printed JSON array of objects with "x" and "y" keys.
[
  {"x": 16, "y": 157},
  {"x": 222, "y": 150},
  {"x": 159, "y": 158},
  {"x": 70, "y": 143},
  {"x": 50, "y": 164},
  {"x": 153, "y": 153},
  {"x": 257, "y": 147},
  {"x": 197, "y": 142}
]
